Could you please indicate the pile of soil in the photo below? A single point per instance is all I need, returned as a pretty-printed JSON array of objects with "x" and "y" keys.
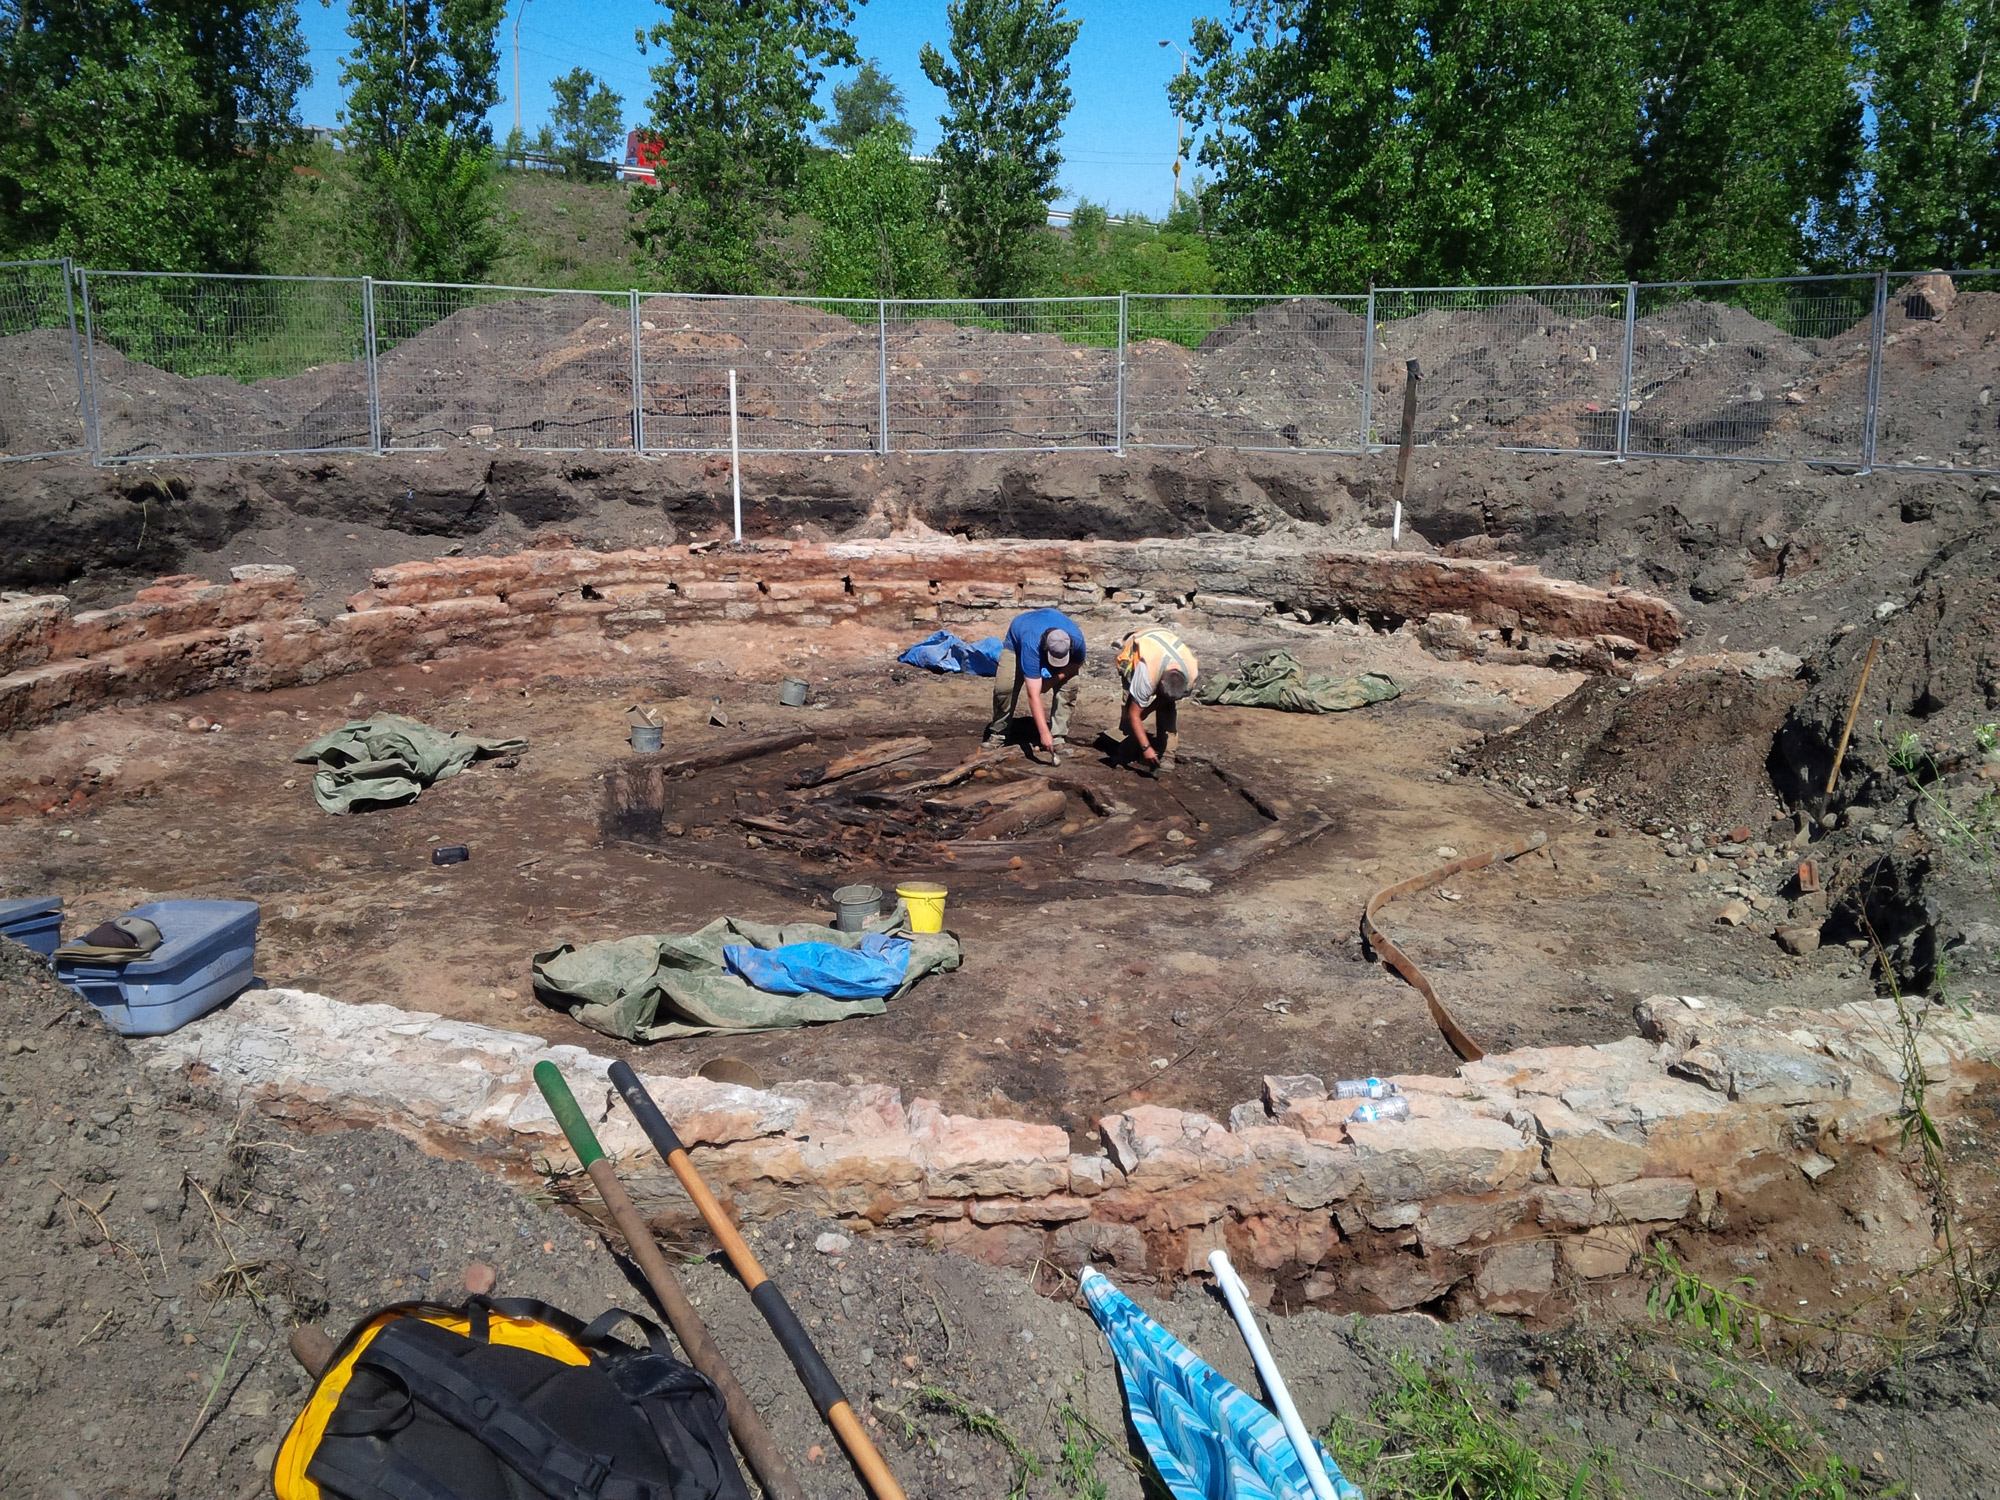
[{"x": 1685, "y": 751}]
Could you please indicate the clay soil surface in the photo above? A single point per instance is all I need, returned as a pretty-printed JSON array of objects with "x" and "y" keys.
[
  {"x": 155, "y": 1254},
  {"x": 1070, "y": 1003}
]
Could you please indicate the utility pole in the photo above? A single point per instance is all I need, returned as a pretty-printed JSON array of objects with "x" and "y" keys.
[
  {"x": 1180, "y": 132},
  {"x": 517, "y": 65}
]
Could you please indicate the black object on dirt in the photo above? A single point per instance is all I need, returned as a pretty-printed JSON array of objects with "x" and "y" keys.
[{"x": 450, "y": 854}]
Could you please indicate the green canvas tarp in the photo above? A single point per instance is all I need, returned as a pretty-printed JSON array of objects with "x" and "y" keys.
[
  {"x": 647, "y": 989},
  {"x": 386, "y": 760},
  {"x": 1276, "y": 680}
]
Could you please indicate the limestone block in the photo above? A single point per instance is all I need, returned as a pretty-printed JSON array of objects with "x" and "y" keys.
[
  {"x": 1394, "y": 1282},
  {"x": 963, "y": 1157},
  {"x": 1512, "y": 1278},
  {"x": 1249, "y": 1115},
  {"x": 1403, "y": 1160},
  {"x": 1608, "y": 1250},
  {"x": 1762, "y": 1069},
  {"x": 1161, "y": 1149},
  {"x": 1581, "y": 1152},
  {"x": 1651, "y": 1199},
  {"x": 1089, "y": 1240},
  {"x": 1202, "y": 1242},
  {"x": 997, "y": 1245},
  {"x": 27, "y": 624},
  {"x": 1089, "y": 1175},
  {"x": 1458, "y": 1221},
  {"x": 1281, "y": 1089},
  {"x": 1057, "y": 1208}
]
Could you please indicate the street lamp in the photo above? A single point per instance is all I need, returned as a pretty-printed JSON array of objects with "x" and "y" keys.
[
  {"x": 1180, "y": 130},
  {"x": 517, "y": 66}
]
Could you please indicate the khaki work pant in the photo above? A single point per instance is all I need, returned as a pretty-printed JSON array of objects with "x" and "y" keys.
[{"x": 1008, "y": 685}]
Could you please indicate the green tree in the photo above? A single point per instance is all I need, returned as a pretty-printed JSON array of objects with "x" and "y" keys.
[
  {"x": 1007, "y": 94},
  {"x": 586, "y": 124},
  {"x": 866, "y": 103},
  {"x": 1748, "y": 138},
  {"x": 1412, "y": 141},
  {"x": 876, "y": 229},
  {"x": 146, "y": 135},
  {"x": 420, "y": 80},
  {"x": 1935, "y": 166},
  {"x": 732, "y": 101},
  {"x": 1098, "y": 258}
]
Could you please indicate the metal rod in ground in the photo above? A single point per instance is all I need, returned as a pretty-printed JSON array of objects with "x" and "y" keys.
[
  {"x": 735, "y": 458},
  {"x": 1237, "y": 1296},
  {"x": 752, "y": 1436},
  {"x": 792, "y": 1337},
  {"x": 1411, "y": 375}
]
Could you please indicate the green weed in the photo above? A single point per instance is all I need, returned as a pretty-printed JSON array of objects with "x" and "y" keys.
[
  {"x": 1438, "y": 1435},
  {"x": 1076, "y": 1465},
  {"x": 981, "y": 1422}
]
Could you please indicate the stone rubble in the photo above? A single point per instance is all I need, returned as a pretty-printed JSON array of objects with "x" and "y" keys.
[
  {"x": 185, "y": 635},
  {"x": 1519, "y": 1168}
]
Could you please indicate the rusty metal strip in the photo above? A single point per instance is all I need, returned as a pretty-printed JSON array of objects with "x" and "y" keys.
[{"x": 1467, "y": 1049}]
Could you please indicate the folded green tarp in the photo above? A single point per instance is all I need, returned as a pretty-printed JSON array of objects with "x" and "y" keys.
[
  {"x": 386, "y": 760},
  {"x": 646, "y": 989},
  {"x": 1276, "y": 680}
]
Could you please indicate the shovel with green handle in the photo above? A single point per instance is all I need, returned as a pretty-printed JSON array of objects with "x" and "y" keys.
[{"x": 752, "y": 1436}]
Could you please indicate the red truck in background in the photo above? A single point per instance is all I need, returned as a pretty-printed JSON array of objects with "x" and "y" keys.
[{"x": 642, "y": 159}]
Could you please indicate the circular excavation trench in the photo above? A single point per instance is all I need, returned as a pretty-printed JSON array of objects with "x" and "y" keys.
[{"x": 801, "y": 812}]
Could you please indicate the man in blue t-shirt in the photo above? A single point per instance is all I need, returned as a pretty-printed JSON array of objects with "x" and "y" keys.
[{"x": 1045, "y": 649}]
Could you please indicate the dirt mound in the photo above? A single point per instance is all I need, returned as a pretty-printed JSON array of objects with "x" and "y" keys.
[
  {"x": 39, "y": 411},
  {"x": 1685, "y": 752},
  {"x": 1306, "y": 325}
]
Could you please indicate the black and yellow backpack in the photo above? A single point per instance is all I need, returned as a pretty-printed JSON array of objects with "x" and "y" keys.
[{"x": 506, "y": 1399}]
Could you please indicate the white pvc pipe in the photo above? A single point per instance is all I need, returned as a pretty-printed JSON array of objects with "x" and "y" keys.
[
  {"x": 1396, "y": 525},
  {"x": 735, "y": 458},
  {"x": 1267, "y": 1371}
]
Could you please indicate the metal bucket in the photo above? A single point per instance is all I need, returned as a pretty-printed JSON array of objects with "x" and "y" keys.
[
  {"x": 792, "y": 692},
  {"x": 646, "y": 738},
  {"x": 853, "y": 905}
]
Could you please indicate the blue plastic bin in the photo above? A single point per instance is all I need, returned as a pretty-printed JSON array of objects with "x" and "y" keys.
[
  {"x": 34, "y": 920},
  {"x": 207, "y": 954}
]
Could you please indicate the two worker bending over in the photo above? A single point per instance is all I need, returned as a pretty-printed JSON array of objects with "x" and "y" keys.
[{"x": 1043, "y": 654}]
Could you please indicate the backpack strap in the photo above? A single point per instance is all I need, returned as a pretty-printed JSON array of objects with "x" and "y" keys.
[{"x": 515, "y": 1435}]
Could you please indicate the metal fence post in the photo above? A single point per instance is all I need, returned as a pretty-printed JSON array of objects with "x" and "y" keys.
[
  {"x": 91, "y": 428},
  {"x": 1625, "y": 371},
  {"x": 1123, "y": 328},
  {"x": 1368, "y": 374},
  {"x": 84, "y": 416},
  {"x": 882, "y": 374},
  {"x": 1877, "y": 327},
  {"x": 638, "y": 381},
  {"x": 373, "y": 369}
]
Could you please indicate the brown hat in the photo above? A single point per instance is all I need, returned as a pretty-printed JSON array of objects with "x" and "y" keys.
[
  {"x": 1055, "y": 648},
  {"x": 118, "y": 941}
]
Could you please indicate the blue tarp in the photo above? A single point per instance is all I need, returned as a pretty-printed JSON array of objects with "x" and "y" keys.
[
  {"x": 873, "y": 970},
  {"x": 1208, "y": 1439},
  {"x": 945, "y": 652}
]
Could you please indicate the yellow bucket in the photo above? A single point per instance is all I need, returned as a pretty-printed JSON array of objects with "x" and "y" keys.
[{"x": 926, "y": 904}]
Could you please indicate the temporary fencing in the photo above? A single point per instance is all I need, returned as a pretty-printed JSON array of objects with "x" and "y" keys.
[{"x": 1877, "y": 369}]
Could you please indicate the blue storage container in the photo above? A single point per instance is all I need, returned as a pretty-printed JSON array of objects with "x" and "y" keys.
[
  {"x": 34, "y": 920},
  {"x": 207, "y": 954}
]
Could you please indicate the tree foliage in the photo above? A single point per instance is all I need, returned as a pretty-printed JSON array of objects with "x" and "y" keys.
[
  {"x": 1007, "y": 94},
  {"x": 585, "y": 125},
  {"x": 732, "y": 101},
  {"x": 1935, "y": 168},
  {"x": 146, "y": 135},
  {"x": 876, "y": 230},
  {"x": 420, "y": 80},
  {"x": 867, "y": 103}
]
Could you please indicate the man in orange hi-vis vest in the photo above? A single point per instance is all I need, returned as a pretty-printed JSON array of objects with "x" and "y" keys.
[{"x": 1158, "y": 669}]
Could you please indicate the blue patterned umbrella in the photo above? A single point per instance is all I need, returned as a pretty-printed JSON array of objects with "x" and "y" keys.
[{"x": 1209, "y": 1440}]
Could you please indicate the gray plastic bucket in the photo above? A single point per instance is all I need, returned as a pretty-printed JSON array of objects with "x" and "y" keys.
[
  {"x": 853, "y": 905},
  {"x": 792, "y": 692},
  {"x": 646, "y": 738}
]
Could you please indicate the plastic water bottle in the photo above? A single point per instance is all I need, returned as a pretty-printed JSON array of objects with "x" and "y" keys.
[
  {"x": 1363, "y": 1088},
  {"x": 1395, "y": 1107}
]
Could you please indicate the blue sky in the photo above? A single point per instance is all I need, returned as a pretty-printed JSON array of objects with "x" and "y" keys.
[{"x": 1118, "y": 145}]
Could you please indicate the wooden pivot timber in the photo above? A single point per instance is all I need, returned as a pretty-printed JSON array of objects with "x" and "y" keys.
[
  {"x": 1395, "y": 958},
  {"x": 867, "y": 758}
]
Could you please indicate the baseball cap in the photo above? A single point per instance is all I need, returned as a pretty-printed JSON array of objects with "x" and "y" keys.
[{"x": 1055, "y": 648}]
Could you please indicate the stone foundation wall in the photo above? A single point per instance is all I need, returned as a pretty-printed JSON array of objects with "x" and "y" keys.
[
  {"x": 1517, "y": 1171},
  {"x": 186, "y": 635}
]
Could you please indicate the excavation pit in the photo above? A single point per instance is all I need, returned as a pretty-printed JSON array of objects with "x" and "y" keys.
[{"x": 804, "y": 813}]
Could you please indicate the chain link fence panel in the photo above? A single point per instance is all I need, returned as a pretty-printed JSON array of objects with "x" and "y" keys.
[
  {"x": 508, "y": 366},
  {"x": 1940, "y": 367},
  {"x": 182, "y": 365},
  {"x": 1246, "y": 372},
  {"x": 41, "y": 367},
  {"x": 1532, "y": 368},
  {"x": 1764, "y": 371},
  {"x": 808, "y": 373},
  {"x": 991, "y": 376}
]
